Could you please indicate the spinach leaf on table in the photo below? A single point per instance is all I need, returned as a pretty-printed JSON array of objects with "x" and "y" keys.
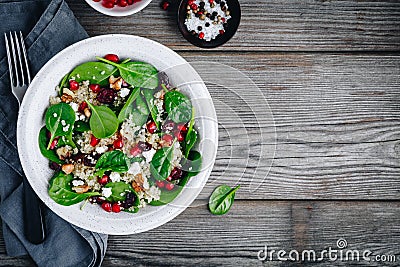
[
  {"x": 178, "y": 106},
  {"x": 47, "y": 153},
  {"x": 136, "y": 73},
  {"x": 57, "y": 117},
  {"x": 60, "y": 190},
  {"x": 160, "y": 165},
  {"x": 119, "y": 190},
  {"x": 221, "y": 199},
  {"x": 94, "y": 72},
  {"x": 103, "y": 121},
  {"x": 115, "y": 161},
  {"x": 193, "y": 166}
]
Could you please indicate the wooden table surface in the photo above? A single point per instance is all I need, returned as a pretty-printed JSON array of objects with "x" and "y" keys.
[{"x": 326, "y": 167}]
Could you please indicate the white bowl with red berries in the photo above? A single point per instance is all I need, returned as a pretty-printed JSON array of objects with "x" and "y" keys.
[
  {"x": 127, "y": 205},
  {"x": 118, "y": 8}
]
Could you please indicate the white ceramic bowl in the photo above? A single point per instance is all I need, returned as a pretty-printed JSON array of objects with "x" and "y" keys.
[
  {"x": 118, "y": 11},
  {"x": 36, "y": 101}
]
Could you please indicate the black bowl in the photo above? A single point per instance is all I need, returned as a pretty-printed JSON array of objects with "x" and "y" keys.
[{"x": 230, "y": 30}]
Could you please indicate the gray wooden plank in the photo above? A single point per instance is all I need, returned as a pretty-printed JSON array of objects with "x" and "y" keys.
[
  {"x": 236, "y": 238},
  {"x": 271, "y": 25},
  {"x": 336, "y": 125}
]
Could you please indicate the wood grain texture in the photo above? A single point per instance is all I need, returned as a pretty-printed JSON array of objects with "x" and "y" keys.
[
  {"x": 270, "y": 25},
  {"x": 236, "y": 238}
]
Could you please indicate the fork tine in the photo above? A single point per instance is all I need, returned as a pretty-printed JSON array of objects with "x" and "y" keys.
[
  {"x": 14, "y": 59},
  {"x": 10, "y": 67},
  {"x": 25, "y": 57},
  {"x": 21, "y": 67}
]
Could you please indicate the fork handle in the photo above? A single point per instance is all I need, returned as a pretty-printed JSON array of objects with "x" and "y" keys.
[{"x": 33, "y": 216}]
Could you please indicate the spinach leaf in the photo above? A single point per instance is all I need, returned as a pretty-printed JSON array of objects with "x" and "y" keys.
[
  {"x": 140, "y": 112},
  {"x": 103, "y": 121},
  {"x": 221, "y": 199},
  {"x": 94, "y": 72},
  {"x": 50, "y": 154},
  {"x": 160, "y": 165},
  {"x": 149, "y": 97},
  {"x": 127, "y": 108},
  {"x": 178, "y": 106},
  {"x": 135, "y": 210},
  {"x": 66, "y": 140},
  {"x": 138, "y": 74},
  {"x": 60, "y": 190},
  {"x": 191, "y": 136},
  {"x": 63, "y": 83},
  {"x": 81, "y": 126},
  {"x": 60, "y": 119},
  {"x": 194, "y": 162},
  {"x": 115, "y": 161},
  {"x": 119, "y": 190}
]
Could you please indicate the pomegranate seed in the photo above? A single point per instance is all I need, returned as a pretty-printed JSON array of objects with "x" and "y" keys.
[
  {"x": 54, "y": 143},
  {"x": 165, "y": 5},
  {"x": 122, "y": 3},
  {"x": 93, "y": 140},
  {"x": 169, "y": 186},
  {"x": 116, "y": 207},
  {"x": 167, "y": 138},
  {"x": 130, "y": 2},
  {"x": 221, "y": 31},
  {"x": 223, "y": 20},
  {"x": 73, "y": 85},
  {"x": 211, "y": 1},
  {"x": 193, "y": 6},
  {"x": 104, "y": 179},
  {"x": 95, "y": 88},
  {"x": 199, "y": 13},
  {"x": 112, "y": 57},
  {"x": 118, "y": 144},
  {"x": 182, "y": 127},
  {"x": 179, "y": 135},
  {"x": 107, "y": 4},
  {"x": 201, "y": 35},
  {"x": 151, "y": 127},
  {"x": 135, "y": 151},
  {"x": 96, "y": 0},
  {"x": 160, "y": 184},
  {"x": 190, "y": 2},
  {"x": 106, "y": 206},
  {"x": 169, "y": 178},
  {"x": 82, "y": 106}
]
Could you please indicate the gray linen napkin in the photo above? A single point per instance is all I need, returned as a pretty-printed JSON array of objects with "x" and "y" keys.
[{"x": 49, "y": 26}]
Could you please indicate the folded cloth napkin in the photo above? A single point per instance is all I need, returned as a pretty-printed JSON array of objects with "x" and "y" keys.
[{"x": 49, "y": 26}]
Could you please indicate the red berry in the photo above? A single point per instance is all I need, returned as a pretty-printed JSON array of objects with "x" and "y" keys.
[
  {"x": 182, "y": 127},
  {"x": 135, "y": 151},
  {"x": 106, "y": 206},
  {"x": 199, "y": 13},
  {"x": 169, "y": 186},
  {"x": 112, "y": 57},
  {"x": 93, "y": 140},
  {"x": 130, "y": 2},
  {"x": 122, "y": 3},
  {"x": 201, "y": 35},
  {"x": 193, "y": 6},
  {"x": 118, "y": 144},
  {"x": 221, "y": 31},
  {"x": 160, "y": 184},
  {"x": 116, "y": 207},
  {"x": 82, "y": 106},
  {"x": 211, "y": 1},
  {"x": 151, "y": 127},
  {"x": 176, "y": 174},
  {"x": 190, "y": 2},
  {"x": 96, "y": 0},
  {"x": 54, "y": 143},
  {"x": 73, "y": 85},
  {"x": 107, "y": 4},
  {"x": 223, "y": 20},
  {"x": 165, "y": 5},
  {"x": 95, "y": 88},
  {"x": 167, "y": 138},
  {"x": 104, "y": 179},
  {"x": 180, "y": 136}
]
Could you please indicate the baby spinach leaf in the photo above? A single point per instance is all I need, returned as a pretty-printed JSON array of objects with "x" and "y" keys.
[
  {"x": 81, "y": 126},
  {"x": 103, "y": 121},
  {"x": 47, "y": 153},
  {"x": 58, "y": 117},
  {"x": 66, "y": 140},
  {"x": 119, "y": 190},
  {"x": 115, "y": 161},
  {"x": 194, "y": 162},
  {"x": 60, "y": 190},
  {"x": 149, "y": 97},
  {"x": 94, "y": 72},
  {"x": 136, "y": 73},
  {"x": 160, "y": 165},
  {"x": 191, "y": 136},
  {"x": 63, "y": 83},
  {"x": 127, "y": 108},
  {"x": 135, "y": 210},
  {"x": 221, "y": 199},
  {"x": 178, "y": 106}
]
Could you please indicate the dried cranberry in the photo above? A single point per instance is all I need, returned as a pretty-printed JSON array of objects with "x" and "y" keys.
[
  {"x": 168, "y": 126},
  {"x": 144, "y": 146},
  {"x": 106, "y": 96},
  {"x": 176, "y": 174},
  {"x": 136, "y": 151},
  {"x": 54, "y": 166}
]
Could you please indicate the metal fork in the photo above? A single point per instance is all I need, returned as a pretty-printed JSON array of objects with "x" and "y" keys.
[{"x": 20, "y": 79}]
